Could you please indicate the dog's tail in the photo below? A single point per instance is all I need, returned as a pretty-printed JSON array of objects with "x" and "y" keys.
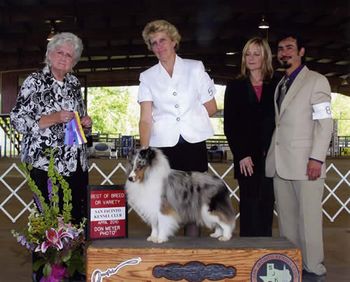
[{"x": 221, "y": 202}]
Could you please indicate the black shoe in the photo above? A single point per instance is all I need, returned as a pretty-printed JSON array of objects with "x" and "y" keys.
[{"x": 312, "y": 277}]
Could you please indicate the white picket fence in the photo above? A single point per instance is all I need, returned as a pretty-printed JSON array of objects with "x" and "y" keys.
[{"x": 13, "y": 193}]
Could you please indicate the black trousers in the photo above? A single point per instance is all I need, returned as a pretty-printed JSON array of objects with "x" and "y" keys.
[
  {"x": 78, "y": 183},
  {"x": 256, "y": 206},
  {"x": 188, "y": 157}
]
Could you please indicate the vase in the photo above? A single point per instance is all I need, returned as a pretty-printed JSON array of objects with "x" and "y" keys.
[{"x": 58, "y": 274}]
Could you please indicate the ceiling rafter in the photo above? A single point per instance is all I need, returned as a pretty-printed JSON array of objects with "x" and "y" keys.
[{"x": 111, "y": 31}]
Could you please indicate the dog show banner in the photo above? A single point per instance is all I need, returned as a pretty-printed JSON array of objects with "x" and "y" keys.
[{"x": 107, "y": 212}]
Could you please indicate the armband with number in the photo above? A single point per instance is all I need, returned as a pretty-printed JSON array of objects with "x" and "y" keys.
[{"x": 321, "y": 111}]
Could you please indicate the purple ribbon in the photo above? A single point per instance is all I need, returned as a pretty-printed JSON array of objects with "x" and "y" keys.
[
  {"x": 69, "y": 136},
  {"x": 73, "y": 135}
]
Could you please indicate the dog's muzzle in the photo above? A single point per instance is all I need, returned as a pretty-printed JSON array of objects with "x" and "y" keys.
[{"x": 132, "y": 176}]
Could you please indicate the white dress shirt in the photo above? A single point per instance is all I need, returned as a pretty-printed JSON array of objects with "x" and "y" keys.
[{"x": 178, "y": 102}]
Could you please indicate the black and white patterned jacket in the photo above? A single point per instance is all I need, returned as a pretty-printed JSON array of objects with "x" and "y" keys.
[{"x": 40, "y": 95}]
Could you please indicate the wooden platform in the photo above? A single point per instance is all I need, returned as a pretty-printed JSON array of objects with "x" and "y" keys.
[{"x": 188, "y": 259}]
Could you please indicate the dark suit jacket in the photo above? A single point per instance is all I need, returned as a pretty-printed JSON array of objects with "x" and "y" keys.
[{"x": 248, "y": 123}]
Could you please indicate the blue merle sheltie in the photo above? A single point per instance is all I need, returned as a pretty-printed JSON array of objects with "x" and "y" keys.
[{"x": 166, "y": 199}]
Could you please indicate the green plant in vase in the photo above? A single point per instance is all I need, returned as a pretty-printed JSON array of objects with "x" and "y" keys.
[{"x": 57, "y": 243}]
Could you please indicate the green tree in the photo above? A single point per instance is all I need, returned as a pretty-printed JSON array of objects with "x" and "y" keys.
[
  {"x": 218, "y": 122},
  {"x": 112, "y": 110},
  {"x": 115, "y": 110},
  {"x": 341, "y": 112}
]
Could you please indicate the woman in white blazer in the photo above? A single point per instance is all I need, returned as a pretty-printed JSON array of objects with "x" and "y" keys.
[{"x": 176, "y": 97}]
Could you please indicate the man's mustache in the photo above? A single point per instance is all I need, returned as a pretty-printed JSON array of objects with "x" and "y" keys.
[{"x": 285, "y": 59}]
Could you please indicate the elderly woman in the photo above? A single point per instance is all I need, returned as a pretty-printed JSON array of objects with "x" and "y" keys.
[
  {"x": 46, "y": 102},
  {"x": 176, "y": 98}
]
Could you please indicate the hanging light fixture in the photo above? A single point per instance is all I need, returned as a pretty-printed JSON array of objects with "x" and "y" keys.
[
  {"x": 263, "y": 23},
  {"x": 53, "y": 30},
  {"x": 344, "y": 81},
  {"x": 51, "y": 34}
]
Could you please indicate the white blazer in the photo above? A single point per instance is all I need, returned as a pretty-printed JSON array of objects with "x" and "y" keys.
[{"x": 178, "y": 102}]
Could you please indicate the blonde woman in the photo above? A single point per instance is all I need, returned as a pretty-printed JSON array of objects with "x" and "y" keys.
[
  {"x": 248, "y": 126},
  {"x": 176, "y": 97}
]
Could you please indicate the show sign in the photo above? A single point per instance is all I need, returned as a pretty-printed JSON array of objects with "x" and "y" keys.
[{"x": 107, "y": 212}]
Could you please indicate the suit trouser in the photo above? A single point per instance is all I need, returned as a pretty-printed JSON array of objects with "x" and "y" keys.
[{"x": 299, "y": 205}]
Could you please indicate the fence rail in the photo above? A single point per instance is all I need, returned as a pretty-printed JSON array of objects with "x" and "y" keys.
[{"x": 16, "y": 198}]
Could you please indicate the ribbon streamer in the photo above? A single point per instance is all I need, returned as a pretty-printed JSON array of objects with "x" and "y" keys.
[{"x": 74, "y": 134}]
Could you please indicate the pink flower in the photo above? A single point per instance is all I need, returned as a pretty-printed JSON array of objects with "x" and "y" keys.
[
  {"x": 58, "y": 272},
  {"x": 54, "y": 239}
]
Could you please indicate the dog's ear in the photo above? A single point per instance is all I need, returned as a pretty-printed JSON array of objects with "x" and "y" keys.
[
  {"x": 150, "y": 153},
  {"x": 143, "y": 152}
]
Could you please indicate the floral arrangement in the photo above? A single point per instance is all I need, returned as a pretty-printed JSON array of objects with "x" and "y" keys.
[{"x": 57, "y": 244}]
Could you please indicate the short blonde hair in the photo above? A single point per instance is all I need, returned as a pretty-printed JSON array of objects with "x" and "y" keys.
[
  {"x": 161, "y": 26},
  {"x": 266, "y": 67}
]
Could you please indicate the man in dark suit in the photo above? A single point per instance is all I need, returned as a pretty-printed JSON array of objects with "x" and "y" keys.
[{"x": 296, "y": 157}]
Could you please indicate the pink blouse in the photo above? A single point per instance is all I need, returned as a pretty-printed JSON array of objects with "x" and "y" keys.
[{"x": 258, "y": 91}]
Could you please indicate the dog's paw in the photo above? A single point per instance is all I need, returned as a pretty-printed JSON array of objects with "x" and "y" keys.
[
  {"x": 224, "y": 238},
  {"x": 215, "y": 235},
  {"x": 162, "y": 240},
  {"x": 152, "y": 239}
]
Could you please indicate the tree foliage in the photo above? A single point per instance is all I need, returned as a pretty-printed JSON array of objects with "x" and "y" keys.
[
  {"x": 112, "y": 110},
  {"x": 341, "y": 112}
]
